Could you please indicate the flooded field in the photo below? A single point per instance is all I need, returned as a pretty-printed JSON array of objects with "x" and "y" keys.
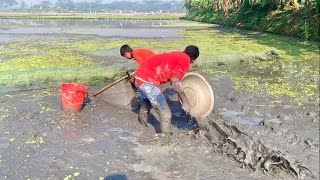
[{"x": 265, "y": 123}]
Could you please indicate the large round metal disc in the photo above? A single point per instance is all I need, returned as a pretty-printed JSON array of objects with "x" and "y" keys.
[{"x": 199, "y": 93}]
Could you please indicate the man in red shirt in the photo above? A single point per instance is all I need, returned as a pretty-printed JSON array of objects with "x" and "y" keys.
[
  {"x": 139, "y": 54},
  {"x": 158, "y": 70}
]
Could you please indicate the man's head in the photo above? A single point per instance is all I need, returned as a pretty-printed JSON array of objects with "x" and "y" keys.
[
  {"x": 192, "y": 52},
  {"x": 126, "y": 51}
]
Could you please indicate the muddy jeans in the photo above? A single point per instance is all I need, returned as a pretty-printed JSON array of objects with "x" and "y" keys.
[{"x": 152, "y": 94}]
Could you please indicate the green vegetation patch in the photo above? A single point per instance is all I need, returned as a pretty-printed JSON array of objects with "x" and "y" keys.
[
  {"x": 287, "y": 22},
  {"x": 223, "y": 52},
  {"x": 48, "y": 59},
  {"x": 54, "y": 63},
  {"x": 233, "y": 53}
]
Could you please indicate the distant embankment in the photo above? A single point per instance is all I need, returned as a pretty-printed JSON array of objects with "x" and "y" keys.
[
  {"x": 56, "y": 15},
  {"x": 291, "y": 23}
]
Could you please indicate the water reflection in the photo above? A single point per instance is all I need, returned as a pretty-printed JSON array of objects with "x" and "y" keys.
[
  {"x": 85, "y": 22},
  {"x": 105, "y": 28}
]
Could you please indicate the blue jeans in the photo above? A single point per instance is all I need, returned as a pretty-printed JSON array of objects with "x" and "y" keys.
[{"x": 152, "y": 94}]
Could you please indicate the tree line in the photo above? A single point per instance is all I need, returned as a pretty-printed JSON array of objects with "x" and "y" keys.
[
  {"x": 228, "y": 6},
  {"x": 96, "y": 6},
  {"x": 299, "y": 18}
]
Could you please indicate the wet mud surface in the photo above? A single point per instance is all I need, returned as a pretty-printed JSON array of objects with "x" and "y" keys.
[
  {"x": 249, "y": 135},
  {"x": 41, "y": 141},
  {"x": 264, "y": 133}
]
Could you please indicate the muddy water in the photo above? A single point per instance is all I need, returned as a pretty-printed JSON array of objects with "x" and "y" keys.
[
  {"x": 87, "y": 23},
  {"x": 105, "y": 28},
  {"x": 40, "y": 141}
]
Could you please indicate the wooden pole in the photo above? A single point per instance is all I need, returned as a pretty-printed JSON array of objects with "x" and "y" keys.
[{"x": 113, "y": 83}]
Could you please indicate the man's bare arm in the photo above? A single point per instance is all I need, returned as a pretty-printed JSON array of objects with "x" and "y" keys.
[{"x": 177, "y": 86}]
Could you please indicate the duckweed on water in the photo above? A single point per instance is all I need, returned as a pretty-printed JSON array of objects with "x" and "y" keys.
[
  {"x": 294, "y": 75},
  {"x": 223, "y": 52},
  {"x": 1, "y": 160},
  {"x": 49, "y": 59},
  {"x": 4, "y": 116},
  {"x": 61, "y": 62},
  {"x": 56, "y": 62},
  {"x": 36, "y": 141},
  {"x": 8, "y": 54}
]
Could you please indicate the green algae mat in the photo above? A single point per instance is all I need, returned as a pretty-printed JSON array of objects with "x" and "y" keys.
[
  {"x": 91, "y": 59},
  {"x": 39, "y": 63}
]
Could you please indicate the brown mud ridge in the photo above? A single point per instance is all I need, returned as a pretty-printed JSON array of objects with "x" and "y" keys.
[{"x": 263, "y": 133}]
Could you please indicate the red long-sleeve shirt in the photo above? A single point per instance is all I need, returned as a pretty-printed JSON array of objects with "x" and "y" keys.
[
  {"x": 160, "y": 68},
  {"x": 141, "y": 55}
]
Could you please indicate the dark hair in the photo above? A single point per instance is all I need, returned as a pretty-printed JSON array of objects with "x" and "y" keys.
[
  {"x": 125, "y": 48},
  {"x": 192, "y": 52}
]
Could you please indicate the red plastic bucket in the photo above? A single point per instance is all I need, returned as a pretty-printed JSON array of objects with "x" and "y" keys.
[{"x": 72, "y": 96}]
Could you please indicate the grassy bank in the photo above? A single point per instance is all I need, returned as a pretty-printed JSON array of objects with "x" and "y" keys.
[{"x": 291, "y": 23}]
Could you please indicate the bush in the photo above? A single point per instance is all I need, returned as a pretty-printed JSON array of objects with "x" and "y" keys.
[{"x": 262, "y": 18}]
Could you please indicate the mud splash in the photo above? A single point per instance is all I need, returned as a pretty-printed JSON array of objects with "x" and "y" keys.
[
  {"x": 256, "y": 142},
  {"x": 272, "y": 145},
  {"x": 228, "y": 139}
]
